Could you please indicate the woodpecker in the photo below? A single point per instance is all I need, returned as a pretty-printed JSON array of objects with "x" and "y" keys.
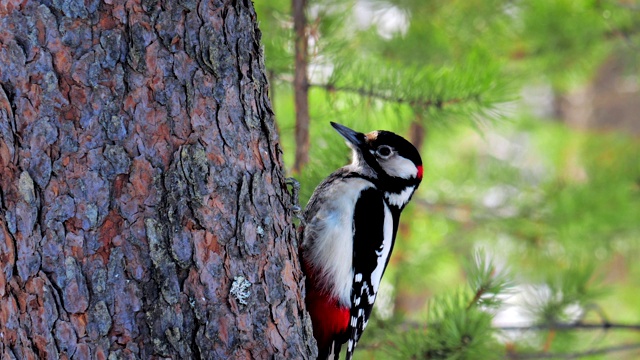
[{"x": 349, "y": 230}]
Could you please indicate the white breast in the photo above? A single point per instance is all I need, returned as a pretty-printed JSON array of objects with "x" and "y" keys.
[{"x": 332, "y": 232}]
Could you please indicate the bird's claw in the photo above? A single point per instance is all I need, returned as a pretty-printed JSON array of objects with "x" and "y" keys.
[{"x": 295, "y": 190}]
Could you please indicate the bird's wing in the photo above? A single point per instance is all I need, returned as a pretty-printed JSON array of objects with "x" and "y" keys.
[{"x": 373, "y": 236}]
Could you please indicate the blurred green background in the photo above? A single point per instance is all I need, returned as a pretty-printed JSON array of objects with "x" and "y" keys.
[{"x": 527, "y": 115}]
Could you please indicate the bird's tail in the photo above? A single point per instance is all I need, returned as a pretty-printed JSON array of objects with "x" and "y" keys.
[{"x": 331, "y": 352}]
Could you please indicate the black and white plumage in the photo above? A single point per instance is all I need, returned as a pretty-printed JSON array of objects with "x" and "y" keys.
[{"x": 350, "y": 227}]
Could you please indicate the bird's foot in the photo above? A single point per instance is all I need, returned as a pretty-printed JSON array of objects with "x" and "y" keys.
[{"x": 295, "y": 191}]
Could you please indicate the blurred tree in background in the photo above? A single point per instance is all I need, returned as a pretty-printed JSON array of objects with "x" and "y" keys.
[{"x": 522, "y": 240}]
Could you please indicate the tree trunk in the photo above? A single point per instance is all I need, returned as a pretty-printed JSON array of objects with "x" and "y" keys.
[
  {"x": 143, "y": 212},
  {"x": 301, "y": 84}
]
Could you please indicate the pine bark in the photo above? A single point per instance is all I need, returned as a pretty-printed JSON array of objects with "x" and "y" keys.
[{"x": 143, "y": 211}]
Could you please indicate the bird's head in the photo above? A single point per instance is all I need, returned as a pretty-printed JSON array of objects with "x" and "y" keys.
[{"x": 383, "y": 154}]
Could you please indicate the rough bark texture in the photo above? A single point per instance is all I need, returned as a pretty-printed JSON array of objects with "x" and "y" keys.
[{"x": 142, "y": 206}]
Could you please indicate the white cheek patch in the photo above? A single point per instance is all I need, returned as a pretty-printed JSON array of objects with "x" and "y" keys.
[{"x": 399, "y": 166}]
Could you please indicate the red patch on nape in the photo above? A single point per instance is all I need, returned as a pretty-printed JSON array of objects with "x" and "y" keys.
[{"x": 420, "y": 172}]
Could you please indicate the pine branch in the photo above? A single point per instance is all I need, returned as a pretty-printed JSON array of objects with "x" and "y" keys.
[
  {"x": 571, "y": 326},
  {"x": 550, "y": 326},
  {"x": 574, "y": 355},
  {"x": 422, "y": 103},
  {"x": 479, "y": 293}
]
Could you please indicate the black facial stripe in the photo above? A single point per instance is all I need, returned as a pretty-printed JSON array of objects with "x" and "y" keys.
[{"x": 396, "y": 184}]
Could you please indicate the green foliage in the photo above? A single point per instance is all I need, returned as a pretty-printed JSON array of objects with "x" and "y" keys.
[
  {"x": 569, "y": 38},
  {"x": 453, "y": 332},
  {"x": 488, "y": 284},
  {"x": 473, "y": 87},
  {"x": 559, "y": 207},
  {"x": 458, "y": 324},
  {"x": 275, "y": 24},
  {"x": 444, "y": 31}
]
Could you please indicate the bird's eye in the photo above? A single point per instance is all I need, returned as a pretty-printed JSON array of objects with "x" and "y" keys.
[{"x": 384, "y": 151}]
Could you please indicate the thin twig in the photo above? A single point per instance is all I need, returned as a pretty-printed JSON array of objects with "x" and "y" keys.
[
  {"x": 571, "y": 326},
  {"x": 574, "y": 355},
  {"x": 424, "y": 103},
  {"x": 481, "y": 291},
  {"x": 556, "y": 326}
]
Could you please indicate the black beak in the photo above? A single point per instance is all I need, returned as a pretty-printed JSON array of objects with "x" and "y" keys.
[{"x": 354, "y": 137}]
